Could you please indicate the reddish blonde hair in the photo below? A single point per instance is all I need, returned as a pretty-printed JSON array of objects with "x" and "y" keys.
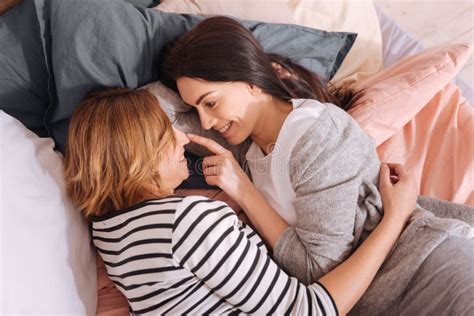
[{"x": 115, "y": 142}]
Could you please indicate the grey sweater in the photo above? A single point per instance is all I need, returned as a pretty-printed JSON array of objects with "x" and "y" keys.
[{"x": 334, "y": 172}]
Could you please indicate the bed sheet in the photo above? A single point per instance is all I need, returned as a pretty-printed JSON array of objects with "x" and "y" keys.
[{"x": 396, "y": 44}]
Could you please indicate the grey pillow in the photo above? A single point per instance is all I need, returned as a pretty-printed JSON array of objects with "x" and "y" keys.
[
  {"x": 23, "y": 71},
  {"x": 115, "y": 44}
]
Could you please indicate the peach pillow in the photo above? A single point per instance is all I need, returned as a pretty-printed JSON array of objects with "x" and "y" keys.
[
  {"x": 395, "y": 95},
  {"x": 419, "y": 118},
  {"x": 365, "y": 56}
]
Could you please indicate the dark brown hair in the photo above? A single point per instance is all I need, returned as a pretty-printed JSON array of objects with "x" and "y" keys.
[{"x": 220, "y": 49}]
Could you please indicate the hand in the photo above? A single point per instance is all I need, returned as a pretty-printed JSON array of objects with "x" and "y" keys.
[
  {"x": 222, "y": 169},
  {"x": 398, "y": 190}
]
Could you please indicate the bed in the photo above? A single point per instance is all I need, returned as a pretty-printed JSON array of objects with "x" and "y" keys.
[
  {"x": 56, "y": 241},
  {"x": 396, "y": 44}
]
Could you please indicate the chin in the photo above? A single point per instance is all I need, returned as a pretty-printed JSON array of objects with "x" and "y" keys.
[
  {"x": 185, "y": 175},
  {"x": 236, "y": 140}
]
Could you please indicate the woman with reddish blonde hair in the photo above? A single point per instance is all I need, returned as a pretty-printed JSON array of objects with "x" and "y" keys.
[
  {"x": 191, "y": 255},
  {"x": 123, "y": 136}
]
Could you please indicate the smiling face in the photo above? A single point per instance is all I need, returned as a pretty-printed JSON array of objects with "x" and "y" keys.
[
  {"x": 230, "y": 108},
  {"x": 173, "y": 166}
]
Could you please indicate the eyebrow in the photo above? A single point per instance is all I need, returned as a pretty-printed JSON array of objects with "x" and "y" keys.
[{"x": 203, "y": 96}]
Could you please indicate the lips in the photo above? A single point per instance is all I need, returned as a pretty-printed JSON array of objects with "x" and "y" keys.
[{"x": 224, "y": 128}]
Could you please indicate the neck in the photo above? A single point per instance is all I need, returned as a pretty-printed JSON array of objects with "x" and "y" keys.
[
  {"x": 272, "y": 116},
  {"x": 165, "y": 193},
  {"x": 154, "y": 192}
]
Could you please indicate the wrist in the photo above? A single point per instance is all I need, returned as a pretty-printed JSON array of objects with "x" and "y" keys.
[
  {"x": 393, "y": 222},
  {"x": 246, "y": 194}
]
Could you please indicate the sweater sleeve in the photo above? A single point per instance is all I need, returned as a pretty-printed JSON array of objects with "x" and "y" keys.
[
  {"x": 208, "y": 241},
  {"x": 187, "y": 120},
  {"x": 327, "y": 167}
]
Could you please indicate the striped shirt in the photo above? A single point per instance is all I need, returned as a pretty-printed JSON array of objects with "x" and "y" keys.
[{"x": 192, "y": 255}]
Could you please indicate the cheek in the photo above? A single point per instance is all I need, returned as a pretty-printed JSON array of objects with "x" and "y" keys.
[
  {"x": 246, "y": 117},
  {"x": 182, "y": 173},
  {"x": 233, "y": 111}
]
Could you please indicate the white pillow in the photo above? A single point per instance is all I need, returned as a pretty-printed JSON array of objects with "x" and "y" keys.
[
  {"x": 365, "y": 56},
  {"x": 47, "y": 263}
]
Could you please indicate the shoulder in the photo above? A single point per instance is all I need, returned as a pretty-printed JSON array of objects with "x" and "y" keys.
[
  {"x": 200, "y": 212},
  {"x": 332, "y": 128},
  {"x": 197, "y": 203},
  {"x": 312, "y": 118},
  {"x": 333, "y": 142},
  {"x": 306, "y": 113},
  {"x": 142, "y": 207},
  {"x": 200, "y": 222}
]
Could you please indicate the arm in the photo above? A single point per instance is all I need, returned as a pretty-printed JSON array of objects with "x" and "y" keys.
[
  {"x": 268, "y": 223},
  {"x": 399, "y": 200},
  {"x": 238, "y": 272},
  {"x": 223, "y": 170},
  {"x": 349, "y": 281},
  {"x": 211, "y": 245},
  {"x": 329, "y": 168}
]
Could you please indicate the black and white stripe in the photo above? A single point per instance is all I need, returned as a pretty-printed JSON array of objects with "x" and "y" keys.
[{"x": 193, "y": 256}]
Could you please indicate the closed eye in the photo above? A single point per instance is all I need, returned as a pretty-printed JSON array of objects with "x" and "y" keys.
[{"x": 210, "y": 104}]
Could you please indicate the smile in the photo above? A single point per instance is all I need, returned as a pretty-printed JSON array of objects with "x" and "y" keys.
[{"x": 224, "y": 129}]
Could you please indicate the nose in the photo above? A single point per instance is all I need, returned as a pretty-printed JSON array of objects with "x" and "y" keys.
[
  {"x": 181, "y": 138},
  {"x": 207, "y": 121}
]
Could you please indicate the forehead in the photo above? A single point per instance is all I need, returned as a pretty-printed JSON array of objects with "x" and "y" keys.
[{"x": 191, "y": 89}]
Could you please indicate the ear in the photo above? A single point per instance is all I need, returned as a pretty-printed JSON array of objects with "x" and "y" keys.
[{"x": 254, "y": 90}]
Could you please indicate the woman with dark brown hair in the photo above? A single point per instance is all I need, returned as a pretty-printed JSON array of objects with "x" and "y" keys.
[
  {"x": 191, "y": 255},
  {"x": 314, "y": 195}
]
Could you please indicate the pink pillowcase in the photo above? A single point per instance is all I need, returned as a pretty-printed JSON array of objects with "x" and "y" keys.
[
  {"x": 395, "y": 95},
  {"x": 419, "y": 118}
]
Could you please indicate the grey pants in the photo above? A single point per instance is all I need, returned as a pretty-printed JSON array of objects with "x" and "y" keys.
[
  {"x": 446, "y": 209},
  {"x": 444, "y": 284}
]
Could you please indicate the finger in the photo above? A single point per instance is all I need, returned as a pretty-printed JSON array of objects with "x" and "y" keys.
[
  {"x": 397, "y": 170},
  {"x": 393, "y": 179},
  {"x": 401, "y": 172},
  {"x": 212, "y": 180},
  {"x": 384, "y": 178},
  {"x": 392, "y": 165},
  {"x": 208, "y": 143},
  {"x": 213, "y": 161},
  {"x": 212, "y": 171}
]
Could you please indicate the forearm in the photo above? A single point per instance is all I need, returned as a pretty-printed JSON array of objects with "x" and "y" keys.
[
  {"x": 268, "y": 223},
  {"x": 348, "y": 281}
]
